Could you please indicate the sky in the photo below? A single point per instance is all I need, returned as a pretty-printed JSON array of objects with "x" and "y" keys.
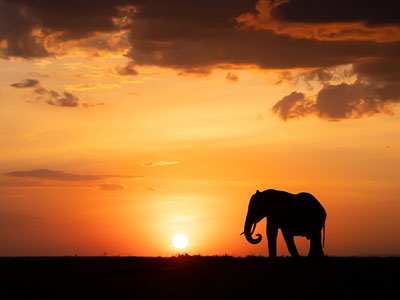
[{"x": 126, "y": 122}]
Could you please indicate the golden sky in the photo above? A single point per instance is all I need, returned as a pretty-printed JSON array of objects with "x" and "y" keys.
[{"x": 126, "y": 122}]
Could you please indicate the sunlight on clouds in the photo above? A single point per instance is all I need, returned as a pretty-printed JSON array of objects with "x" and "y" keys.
[
  {"x": 81, "y": 65},
  {"x": 84, "y": 87},
  {"x": 42, "y": 63}
]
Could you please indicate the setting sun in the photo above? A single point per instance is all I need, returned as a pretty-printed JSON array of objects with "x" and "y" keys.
[{"x": 180, "y": 241}]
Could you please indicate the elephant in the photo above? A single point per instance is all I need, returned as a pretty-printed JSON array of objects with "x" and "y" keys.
[{"x": 295, "y": 214}]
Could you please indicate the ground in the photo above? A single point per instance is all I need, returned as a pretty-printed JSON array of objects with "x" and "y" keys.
[{"x": 198, "y": 277}]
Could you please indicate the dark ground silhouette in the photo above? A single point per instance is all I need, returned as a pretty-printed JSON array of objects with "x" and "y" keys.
[{"x": 197, "y": 277}]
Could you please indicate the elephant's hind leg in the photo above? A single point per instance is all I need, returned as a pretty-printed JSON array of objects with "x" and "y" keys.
[
  {"x": 290, "y": 243},
  {"x": 316, "y": 245}
]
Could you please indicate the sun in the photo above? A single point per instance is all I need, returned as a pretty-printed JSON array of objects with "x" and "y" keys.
[{"x": 180, "y": 241}]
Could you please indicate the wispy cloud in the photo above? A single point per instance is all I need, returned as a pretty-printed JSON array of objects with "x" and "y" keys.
[
  {"x": 65, "y": 99},
  {"x": 111, "y": 187},
  {"x": 45, "y": 178},
  {"x": 159, "y": 163},
  {"x": 232, "y": 77},
  {"x": 63, "y": 176},
  {"x": 25, "y": 83},
  {"x": 84, "y": 87},
  {"x": 128, "y": 69},
  {"x": 68, "y": 100}
]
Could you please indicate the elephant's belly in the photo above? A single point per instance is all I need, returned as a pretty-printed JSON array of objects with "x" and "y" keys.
[
  {"x": 296, "y": 229},
  {"x": 301, "y": 233}
]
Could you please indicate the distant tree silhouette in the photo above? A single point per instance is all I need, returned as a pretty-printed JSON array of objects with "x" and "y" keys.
[{"x": 295, "y": 214}]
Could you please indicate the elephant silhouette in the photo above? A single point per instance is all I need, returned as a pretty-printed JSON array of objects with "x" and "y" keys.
[{"x": 295, "y": 214}]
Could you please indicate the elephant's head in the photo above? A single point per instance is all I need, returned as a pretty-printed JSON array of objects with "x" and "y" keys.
[{"x": 255, "y": 214}]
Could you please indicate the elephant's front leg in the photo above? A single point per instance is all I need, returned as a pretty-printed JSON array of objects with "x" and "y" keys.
[
  {"x": 272, "y": 233},
  {"x": 290, "y": 243}
]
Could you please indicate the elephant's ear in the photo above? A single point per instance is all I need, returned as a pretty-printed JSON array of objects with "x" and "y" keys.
[{"x": 257, "y": 191}]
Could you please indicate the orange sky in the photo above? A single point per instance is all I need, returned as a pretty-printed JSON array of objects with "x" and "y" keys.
[{"x": 135, "y": 121}]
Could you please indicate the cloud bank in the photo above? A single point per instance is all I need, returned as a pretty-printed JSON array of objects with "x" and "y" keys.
[{"x": 191, "y": 38}]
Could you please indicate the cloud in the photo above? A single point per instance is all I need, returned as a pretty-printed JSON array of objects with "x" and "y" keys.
[
  {"x": 292, "y": 106},
  {"x": 232, "y": 77},
  {"x": 159, "y": 163},
  {"x": 68, "y": 100},
  {"x": 63, "y": 176},
  {"x": 373, "y": 13},
  {"x": 191, "y": 38},
  {"x": 17, "y": 221},
  {"x": 128, "y": 69},
  {"x": 89, "y": 105},
  {"x": 29, "y": 27},
  {"x": 111, "y": 187},
  {"x": 84, "y": 87},
  {"x": 22, "y": 184},
  {"x": 49, "y": 96},
  {"x": 53, "y": 175},
  {"x": 18, "y": 34},
  {"x": 333, "y": 21},
  {"x": 342, "y": 101},
  {"x": 25, "y": 83},
  {"x": 53, "y": 98}
]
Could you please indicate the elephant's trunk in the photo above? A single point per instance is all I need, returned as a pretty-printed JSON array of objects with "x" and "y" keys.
[{"x": 249, "y": 228}]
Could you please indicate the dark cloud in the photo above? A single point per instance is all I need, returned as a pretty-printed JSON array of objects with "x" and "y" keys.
[
  {"x": 17, "y": 32},
  {"x": 336, "y": 20},
  {"x": 193, "y": 37},
  {"x": 26, "y": 83},
  {"x": 72, "y": 18},
  {"x": 49, "y": 96},
  {"x": 63, "y": 176},
  {"x": 26, "y": 25},
  {"x": 197, "y": 36},
  {"x": 53, "y": 98},
  {"x": 316, "y": 11},
  {"x": 68, "y": 100},
  {"x": 292, "y": 106},
  {"x": 342, "y": 101},
  {"x": 189, "y": 36},
  {"x": 379, "y": 70},
  {"x": 128, "y": 69}
]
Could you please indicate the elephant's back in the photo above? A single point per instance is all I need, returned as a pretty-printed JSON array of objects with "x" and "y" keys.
[
  {"x": 305, "y": 214},
  {"x": 312, "y": 205}
]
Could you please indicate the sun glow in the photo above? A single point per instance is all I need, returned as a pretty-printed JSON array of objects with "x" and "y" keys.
[{"x": 180, "y": 241}]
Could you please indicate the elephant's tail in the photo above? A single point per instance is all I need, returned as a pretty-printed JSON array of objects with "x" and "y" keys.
[{"x": 323, "y": 239}]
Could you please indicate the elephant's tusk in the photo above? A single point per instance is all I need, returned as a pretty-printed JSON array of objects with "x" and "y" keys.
[{"x": 254, "y": 228}]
